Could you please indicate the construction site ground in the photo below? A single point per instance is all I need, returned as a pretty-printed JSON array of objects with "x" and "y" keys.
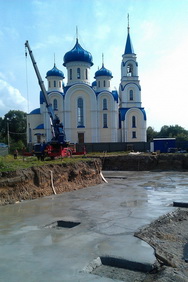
[{"x": 123, "y": 230}]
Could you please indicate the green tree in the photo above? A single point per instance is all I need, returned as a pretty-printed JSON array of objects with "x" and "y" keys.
[
  {"x": 163, "y": 133},
  {"x": 151, "y": 133},
  {"x": 1, "y": 125},
  {"x": 182, "y": 137},
  {"x": 174, "y": 131},
  {"x": 13, "y": 125}
]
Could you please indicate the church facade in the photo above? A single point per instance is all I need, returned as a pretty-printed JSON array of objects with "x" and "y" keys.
[{"x": 92, "y": 112}]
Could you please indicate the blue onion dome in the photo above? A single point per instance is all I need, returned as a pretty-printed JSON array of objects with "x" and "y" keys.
[
  {"x": 35, "y": 112},
  {"x": 78, "y": 54},
  {"x": 103, "y": 72},
  {"x": 55, "y": 72},
  {"x": 94, "y": 83}
]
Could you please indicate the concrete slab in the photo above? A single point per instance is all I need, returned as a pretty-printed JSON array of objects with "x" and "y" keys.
[{"x": 109, "y": 214}]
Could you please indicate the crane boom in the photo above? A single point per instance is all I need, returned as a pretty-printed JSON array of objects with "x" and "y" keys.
[{"x": 57, "y": 127}]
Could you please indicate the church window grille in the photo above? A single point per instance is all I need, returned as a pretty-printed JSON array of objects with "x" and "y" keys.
[
  {"x": 30, "y": 135},
  {"x": 38, "y": 138},
  {"x": 80, "y": 137},
  {"x": 80, "y": 112},
  {"x": 86, "y": 73},
  {"x": 105, "y": 106},
  {"x": 131, "y": 95},
  {"x": 54, "y": 83},
  {"x": 70, "y": 73},
  {"x": 55, "y": 104},
  {"x": 105, "y": 121},
  {"x": 78, "y": 73},
  {"x": 133, "y": 121},
  {"x": 134, "y": 134},
  {"x": 129, "y": 70}
]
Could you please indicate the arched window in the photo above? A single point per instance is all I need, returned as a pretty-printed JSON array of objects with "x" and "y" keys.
[
  {"x": 129, "y": 70},
  {"x": 80, "y": 112},
  {"x": 134, "y": 134},
  {"x": 55, "y": 104},
  {"x": 54, "y": 83},
  {"x": 104, "y": 83},
  {"x": 105, "y": 107},
  {"x": 105, "y": 121},
  {"x": 78, "y": 73},
  {"x": 86, "y": 73},
  {"x": 133, "y": 121},
  {"x": 98, "y": 83},
  {"x": 70, "y": 73},
  {"x": 30, "y": 135},
  {"x": 49, "y": 84},
  {"x": 131, "y": 95},
  {"x": 59, "y": 84}
]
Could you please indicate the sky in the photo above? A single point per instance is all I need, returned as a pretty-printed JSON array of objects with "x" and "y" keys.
[{"x": 159, "y": 34}]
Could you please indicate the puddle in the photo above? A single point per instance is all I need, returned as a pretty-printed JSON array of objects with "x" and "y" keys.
[
  {"x": 133, "y": 203},
  {"x": 26, "y": 229},
  {"x": 154, "y": 186}
]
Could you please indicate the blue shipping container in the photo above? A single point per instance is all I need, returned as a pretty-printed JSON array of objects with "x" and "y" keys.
[{"x": 164, "y": 144}]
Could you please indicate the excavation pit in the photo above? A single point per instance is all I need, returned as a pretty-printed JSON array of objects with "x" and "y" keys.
[
  {"x": 126, "y": 264},
  {"x": 119, "y": 268},
  {"x": 62, "y": 224}
]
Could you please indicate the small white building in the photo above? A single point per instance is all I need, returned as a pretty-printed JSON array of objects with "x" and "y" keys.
[{"x": 92, "y": 112}]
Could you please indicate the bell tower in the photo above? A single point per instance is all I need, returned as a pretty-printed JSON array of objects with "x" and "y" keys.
[{"x": 132, "y": 115}]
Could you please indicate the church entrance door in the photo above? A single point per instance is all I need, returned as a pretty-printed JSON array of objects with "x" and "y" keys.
[{"x": 80, "y": 138}]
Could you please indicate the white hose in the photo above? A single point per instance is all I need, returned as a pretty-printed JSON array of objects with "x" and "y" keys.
[
  {"x": 52, "y": 182},
  {"x": 103, "y": 177}
]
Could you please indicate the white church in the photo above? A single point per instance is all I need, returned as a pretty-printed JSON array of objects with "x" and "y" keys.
[{"x": 92, "y": 112}]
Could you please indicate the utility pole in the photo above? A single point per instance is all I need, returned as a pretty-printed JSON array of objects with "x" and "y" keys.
[{"x": 8, "y": 136}]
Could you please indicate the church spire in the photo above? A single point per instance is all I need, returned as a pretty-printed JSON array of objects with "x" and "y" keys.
[
  {"x": 54, "y": 61},
  {"x": 128, "y": 27},
  {"x": 128, "y": 47},
  {"x": 76, "y": 33},
  {"x": 103, "y": 60}
]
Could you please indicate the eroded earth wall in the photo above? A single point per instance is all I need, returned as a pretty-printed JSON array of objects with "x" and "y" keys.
[
  {"x": 146, "y": 162},
  {"x": 37, "y": 182}
]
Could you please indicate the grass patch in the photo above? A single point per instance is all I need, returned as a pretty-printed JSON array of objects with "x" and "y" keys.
[
  {"x": 8, "y": 163},
  {"x": 103, "y": 154}
]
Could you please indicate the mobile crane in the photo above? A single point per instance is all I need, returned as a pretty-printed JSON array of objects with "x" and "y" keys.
[{"x": 58, "y": 146}]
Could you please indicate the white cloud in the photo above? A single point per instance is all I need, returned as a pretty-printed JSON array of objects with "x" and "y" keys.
[
  {"x": 165, "y": 89},
  {"x": 11, "y": 32},
  {"x": 150, "y": 30},
  {"x": 2, "y": 76},
  {"x": 102, "y": 32},
  {"x": 39, "y": 45},
  {"x": 99, "y": 11},
  {"x": 10, "y": 98}
]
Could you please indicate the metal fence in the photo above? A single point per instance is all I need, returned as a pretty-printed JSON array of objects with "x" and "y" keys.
[
  {"x": 114, "y": 147},
  {"x": 3, "y": 151}
]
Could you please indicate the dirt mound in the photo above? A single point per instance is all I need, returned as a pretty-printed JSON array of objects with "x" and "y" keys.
[{"x": 168, "y": 236}]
